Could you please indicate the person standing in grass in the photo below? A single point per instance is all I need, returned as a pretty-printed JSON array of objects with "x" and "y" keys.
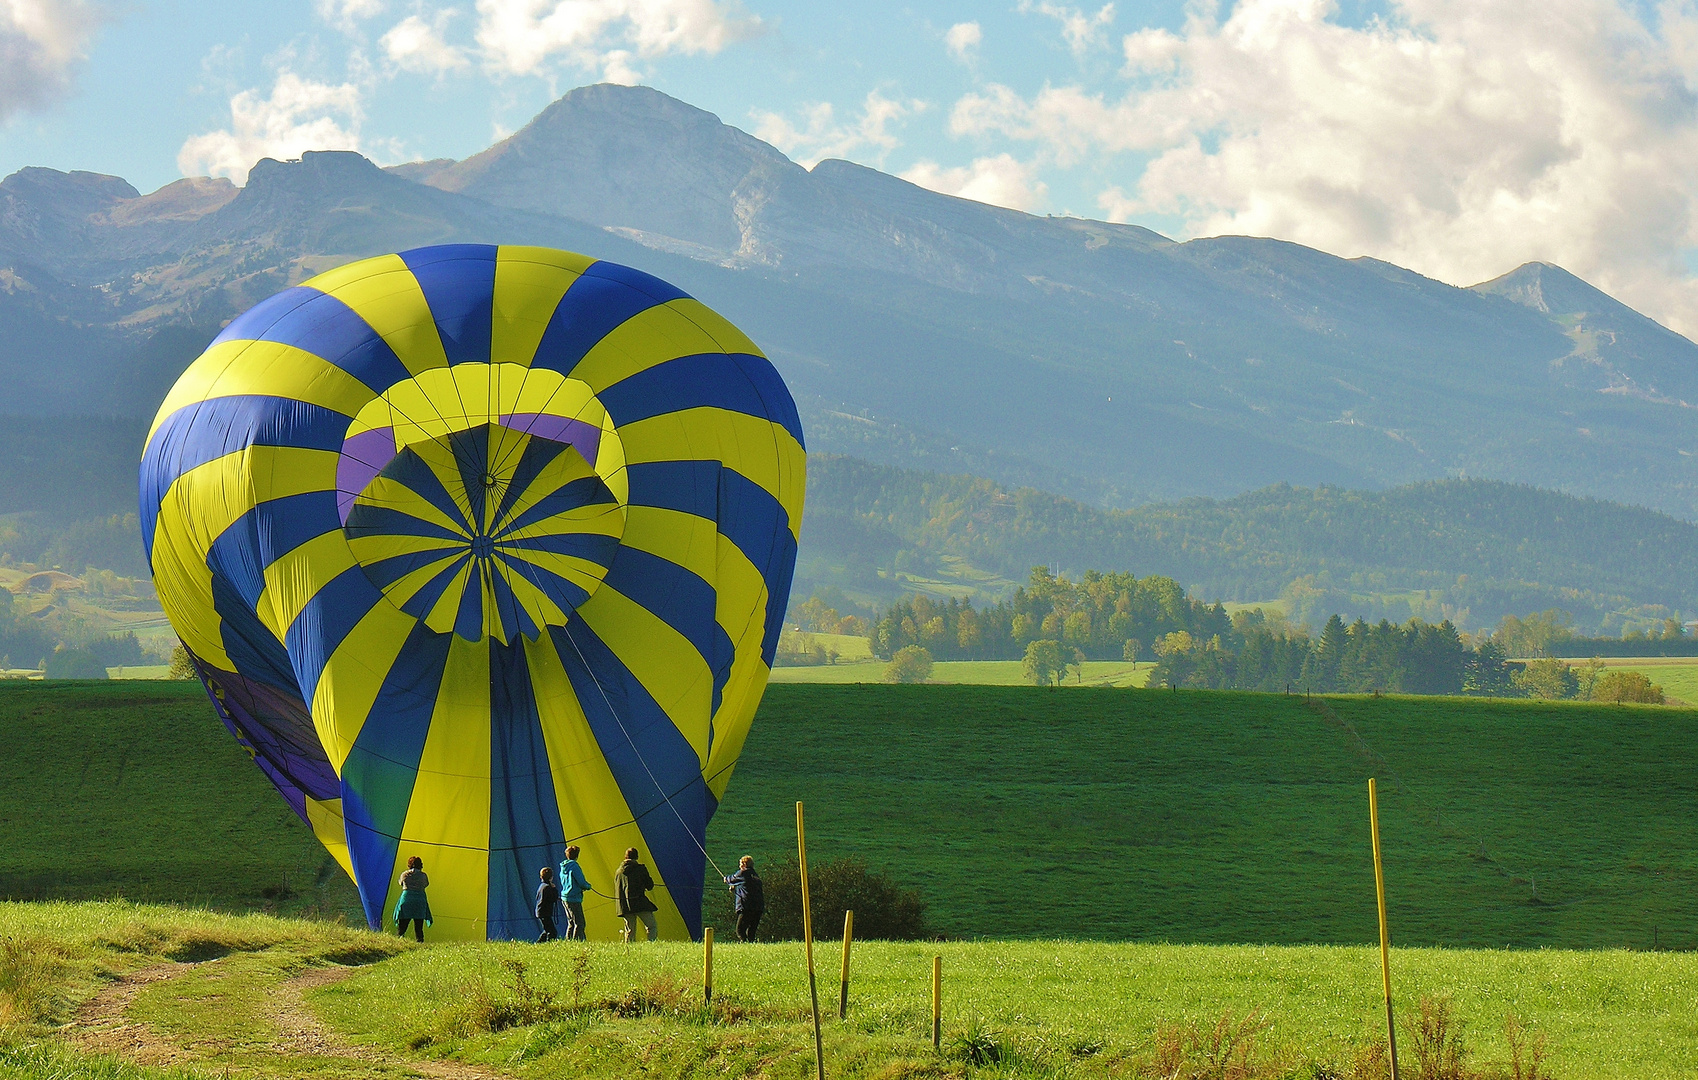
[
  {"x": 413, "y": 907},
  {"x": 631, "y": 887},
  {"x": 748, "y": 897},
  {"x": 572, "y": 886},
  {"x": 548, "y": 898}
]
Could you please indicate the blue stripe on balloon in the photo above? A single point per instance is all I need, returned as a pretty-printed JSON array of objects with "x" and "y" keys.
[
  {"x": 596, "y": 547},
  {"x": 537, "y": 455},
  {"x": 566, "y": 594},
  {"x": 252, "y": 648},
  {"x": 681, "y": 600},
  {"x": 386, "y": 572},
  {"x": 367, "y": 519},
  {"x": 328, "y": 616},
  {"x": 468, "y": 621},
  {"x": 736, "y": 382},
  {"x": 458, "y": 281},
  {"x": 207, "y": 430},
  {"x": 415, "y": 474},
  {"x": 379, "y": 772},
  {"x": 421, "y": 602},
  {"x": 663, "y": 783},
  {"x": 324, "y": 326},
  {"x": 525, "y": 832},
  {"x": 746, "y": 514},
  {"x": 584, "y": 491},
  {"x": 602, "y": 298}
]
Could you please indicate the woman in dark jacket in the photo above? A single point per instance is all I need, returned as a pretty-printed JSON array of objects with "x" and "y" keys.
[
  {"x": 548, "y": 898},
  {"x": 413, "y": 907},
  {"x": 631, "y": 887}
]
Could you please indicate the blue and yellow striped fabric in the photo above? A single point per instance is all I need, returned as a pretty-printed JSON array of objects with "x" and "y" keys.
[{"x": 480, "y": 551}]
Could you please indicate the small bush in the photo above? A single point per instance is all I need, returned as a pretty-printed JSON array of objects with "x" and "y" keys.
[
  {"x": 1622, "y": 686},
  {"x": 30, "y": 977},
  {"x": 1435, "y": 1042},
  {"x": 1228, "y": 1050},
  {"x": 978, "y": 1045},
  {"x": 911, "y": 664},
  {"x": 883, "y": 909}
]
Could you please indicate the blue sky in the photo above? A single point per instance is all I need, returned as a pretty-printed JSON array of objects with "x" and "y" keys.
[{"x": 1456, "y": 137}]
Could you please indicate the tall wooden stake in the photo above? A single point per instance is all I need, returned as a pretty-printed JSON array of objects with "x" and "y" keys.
[
  {"x": 937, "y": 1003},
  {"x": 843, "y": 987},
  {"x": 808, "y": 940},
  {"x": 707, "y": 964},
  {"x": 1385, "y": 932}
]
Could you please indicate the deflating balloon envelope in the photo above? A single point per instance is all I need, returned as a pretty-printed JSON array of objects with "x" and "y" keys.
[{"x": 480, "y": 551}]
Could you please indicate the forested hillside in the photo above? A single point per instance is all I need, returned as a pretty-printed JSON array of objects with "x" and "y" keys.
[{"x": 1468, "y": 550}]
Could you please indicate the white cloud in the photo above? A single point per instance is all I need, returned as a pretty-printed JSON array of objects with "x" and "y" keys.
[
  {"x": 523, "y": 37},
  {"x": 41, "y": 41},
  {"x": 298, "y": 116},
  {"x": 416, "y": 45},
  {"x": 963, "y": 40},
  {"x": 1081, "y": 30},
  {"x": 999, "y": 180},
  {"x": 345, "y": 15},
  {"x": 1456, "y": 137},
  {"x": 822, "y": 136}
]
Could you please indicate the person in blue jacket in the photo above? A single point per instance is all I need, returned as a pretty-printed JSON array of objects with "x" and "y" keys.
[
  {"x": 573, "y": 884},
  {"x": 548, "y": 899},
  {"x": 748, "y": 898}
]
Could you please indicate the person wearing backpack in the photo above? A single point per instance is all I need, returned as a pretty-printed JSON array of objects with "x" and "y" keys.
[
  {"x": 631, "y": 887},
  {"x": 748, "y": 897}
]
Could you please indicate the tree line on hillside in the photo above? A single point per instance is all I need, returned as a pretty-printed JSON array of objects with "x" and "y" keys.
[
  {"x": 1466, "y": 550},
  {"x": 1054, "y": 624}
]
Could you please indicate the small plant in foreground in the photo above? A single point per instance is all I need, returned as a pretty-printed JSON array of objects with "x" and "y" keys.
[
  {"x": 1526, "y": 1056},
  {"x": 1228, "y": 1050},
  {"x": 1435, "y": 1042},
  {"x": 978, "y": 1045}
]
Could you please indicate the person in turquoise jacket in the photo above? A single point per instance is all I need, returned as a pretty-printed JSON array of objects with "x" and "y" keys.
[
  {"x": 413, "y": 907},
  {"x": 573, "y": 884}
]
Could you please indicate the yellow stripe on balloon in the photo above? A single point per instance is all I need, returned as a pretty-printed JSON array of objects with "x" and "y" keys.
[
  {"x": 349, "y": 684},
  {"x": 326, "y": 820},
  {"x": 659, "y": 657},
  {"x": 447, "y": 607},
  {"x": 384, "y": 293},
  {"x": 196, "y": 510},
  {"x": 295, "y": 578},
  {"x": 650, "y": 337},
  {"x": 716, "y": 326},
  {"x": 448, "y": 818},
  {"x": 757, "y": 449},
  {"x": 529, "y": 282},
  {"x": 265, "y": 369}
]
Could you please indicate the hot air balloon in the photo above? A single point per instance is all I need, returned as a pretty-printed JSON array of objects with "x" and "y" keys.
[{"x": 479, "y": 551}]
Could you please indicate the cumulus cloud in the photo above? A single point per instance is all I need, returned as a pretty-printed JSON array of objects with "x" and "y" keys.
[
  {"x": 1456, "y": 137},
  {"x": 414, "y": 44},
  {"x": 299, "y": 115},
  {"x": 1081, "y": 30},
  {"x": 821, "y": 135},
  {"x": 999, "y": 180},
  {"x": 523, "y": 37},
  {"x": 963, "y": 40},
  {"x": 347, "y": 14},
  {"x": 41, "y": 42}
]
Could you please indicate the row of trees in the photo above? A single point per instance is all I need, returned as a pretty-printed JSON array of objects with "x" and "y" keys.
[{"x": 1101, "y": 616}]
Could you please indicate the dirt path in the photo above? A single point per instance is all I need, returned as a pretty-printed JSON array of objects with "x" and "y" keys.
[{"x": 103, "y": 1025}]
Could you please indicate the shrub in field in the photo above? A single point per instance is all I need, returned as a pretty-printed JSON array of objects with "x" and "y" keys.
[
  {"x": 1044, "y": 664},
  {"x": 1620, "y": 686},
  {"x": 29, "y": 981},
  {"x": 1546, "y": 678},
  {"x": 1228, "y": 1049},
  {"x": 883, "y": 909},
  {"x": 911, "y": 664},
  {"x": 1434, "y": 1043}
]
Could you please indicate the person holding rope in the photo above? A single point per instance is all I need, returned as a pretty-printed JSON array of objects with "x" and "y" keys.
[
  {"x": 631, "y": 887},
  {"x": 748, "y": 898},
  {"x": 572, "y": 887}
]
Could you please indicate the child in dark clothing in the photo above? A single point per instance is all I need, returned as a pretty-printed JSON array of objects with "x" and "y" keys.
[
  {"x": 748, "y": 897},
  {"x": 548, "y": 899}
]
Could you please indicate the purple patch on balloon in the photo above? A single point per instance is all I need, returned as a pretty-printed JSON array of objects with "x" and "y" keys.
[
  {"x": 582, "y": 437},
  {"x": 363, "y": 457}
]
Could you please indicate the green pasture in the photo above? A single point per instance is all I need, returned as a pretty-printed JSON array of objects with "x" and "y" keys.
[
  {"x": 1677, "y": 675},
  {"x": 969, "y": 672},
  {"x": 1017, "y": 812},
  {"x": 261, "y": 996}
]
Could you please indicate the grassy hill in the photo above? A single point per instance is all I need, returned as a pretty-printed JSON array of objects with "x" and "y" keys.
[
  {"x": 253, "y": 996},
  {"x": 1470, "y": 550},
  {"x": 1017, "y": 812}
]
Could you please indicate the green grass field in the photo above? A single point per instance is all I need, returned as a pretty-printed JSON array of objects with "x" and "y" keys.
[
  {"x": 221, "y": 996},
  {"x": 969, "y": 672},
  {"x": 1017, "y": 812},
  {"x": 1677, "y": 675}
]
